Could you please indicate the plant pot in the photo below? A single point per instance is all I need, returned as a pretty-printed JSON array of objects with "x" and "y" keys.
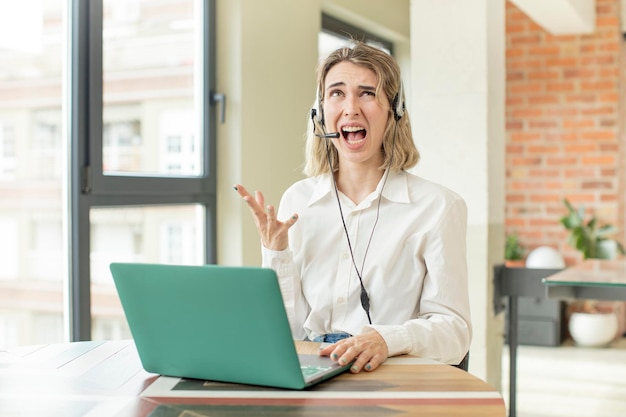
[
  {"x": 514, "y": 263},
  {"x": 593, "y": 329},
  {"x": 607, "y": 249}
]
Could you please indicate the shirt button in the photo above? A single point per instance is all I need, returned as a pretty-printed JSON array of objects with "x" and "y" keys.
[
  {"x": 346, "y": 255},
  {"x": 341, "y": 300}
]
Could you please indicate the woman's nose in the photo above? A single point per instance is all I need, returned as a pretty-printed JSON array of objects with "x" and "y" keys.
[{"x": 351, "y": 105}]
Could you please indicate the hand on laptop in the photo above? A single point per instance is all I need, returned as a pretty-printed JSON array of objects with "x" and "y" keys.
[
  {"x": 367, "y": 350},
  {"x": 273, "y": 232}
]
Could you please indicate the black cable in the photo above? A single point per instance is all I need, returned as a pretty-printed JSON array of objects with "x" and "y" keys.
[{"x": 365, "y": 299}]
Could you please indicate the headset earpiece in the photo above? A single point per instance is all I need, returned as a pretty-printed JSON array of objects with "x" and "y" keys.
[
  {"x": 398, "y": 104},
  {"x": 317, "y": 112}
]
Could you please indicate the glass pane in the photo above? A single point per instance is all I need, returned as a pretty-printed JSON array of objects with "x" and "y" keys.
[
  {"x": 151, "y": 87},
  {"x": 153, "y": 234},
  {"x": 32, "y": 33}
]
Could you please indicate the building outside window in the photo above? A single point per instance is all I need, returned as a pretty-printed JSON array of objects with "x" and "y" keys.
[{"x": 151, "y": 56}]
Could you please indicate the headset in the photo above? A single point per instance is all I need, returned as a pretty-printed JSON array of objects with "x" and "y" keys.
[{"x": 319, "y": 124}]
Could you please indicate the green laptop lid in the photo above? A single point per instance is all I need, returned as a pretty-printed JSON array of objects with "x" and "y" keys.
[{"x": 209, "y": 322}]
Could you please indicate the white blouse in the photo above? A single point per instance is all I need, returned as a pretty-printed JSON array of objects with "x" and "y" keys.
[{"x": 415, "y": 270}]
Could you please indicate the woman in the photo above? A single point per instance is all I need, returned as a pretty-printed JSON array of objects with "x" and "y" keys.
[{"x": 369, "y": 257}]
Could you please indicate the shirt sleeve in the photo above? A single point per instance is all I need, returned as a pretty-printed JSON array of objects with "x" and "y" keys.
[
  {"x": 290, "y": 286},
  {"x": 442, "y": 330}
]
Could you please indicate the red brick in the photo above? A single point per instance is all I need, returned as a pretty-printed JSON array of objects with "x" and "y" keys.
[
  {"x": 543, "y": 149},
  {"x": 594, "y": 111},
  {"x": 525, "y": 88},
  {"x": 542, "y": 123},
  {"x": 565, "y": 160},
  {"x": 543, "y": 75},
  {"x": 525, "y": 136},
  {"x": 609, "y": 98},
  {"x": 580, "y": 148},
  {"x": 543, "y": 99},
  {"x": 560, "y": 87},
  {"x": 515, "y": 28},
  {"x": 598, "y": 60},
  {"x": 579, "y": 172},
  {"x": 525, "y": 161},
  {"x": 562, "y": 62},
  {"x": 515, "y": 52},
  {"x": 598, "y": 160},
  {"x": 599, "y": 135},
  {"x": 543, "y": 172},
  {"x": 544, "y": 50},
  {"x": 578, "y": 123},
  {"x": 607, "y": 21},
  {"x": 527, "y": 112},
  {"x": 514, "y": 125},
  {"x": 598, "y": 85},
  {"x": 543, "y": 198},
  {"x": 596, "y": 185},
  {"x": 581, "y": 98}
]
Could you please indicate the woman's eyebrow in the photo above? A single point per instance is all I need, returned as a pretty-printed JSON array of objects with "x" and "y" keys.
[
  {"x": 337, "y": 84},
  {"x": 342, "y": 84}
]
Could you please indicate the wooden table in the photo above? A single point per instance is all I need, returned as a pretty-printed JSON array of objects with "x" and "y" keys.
[{"x": 106, "y": 379}]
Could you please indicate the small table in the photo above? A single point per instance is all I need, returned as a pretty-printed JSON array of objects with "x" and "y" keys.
[
  {"x": 107, "y": 379},
  {"x": 594, "y": 279}
]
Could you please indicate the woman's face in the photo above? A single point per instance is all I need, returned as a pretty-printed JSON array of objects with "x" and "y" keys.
[{"x": 352, "y": 109}]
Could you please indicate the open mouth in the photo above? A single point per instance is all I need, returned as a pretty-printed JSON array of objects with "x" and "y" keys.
[{"x": 354, "y": 135}]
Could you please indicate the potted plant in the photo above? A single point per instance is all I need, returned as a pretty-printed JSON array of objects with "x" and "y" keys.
[
  {"x": 513, "y": 252},
  {"x": 591, "y": 240},
  {"x": 591, "y": 323}
]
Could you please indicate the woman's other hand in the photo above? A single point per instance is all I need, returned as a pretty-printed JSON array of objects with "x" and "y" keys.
[
  {"x": 367, "y": 350},
  {"x": 273, "y": 232}
]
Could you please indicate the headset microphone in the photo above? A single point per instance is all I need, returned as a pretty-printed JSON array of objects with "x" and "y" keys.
[
  {"x": 334, "y": 135},
  {"x": 318, "y": 127}
]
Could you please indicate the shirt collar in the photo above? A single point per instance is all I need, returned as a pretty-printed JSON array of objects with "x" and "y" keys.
[{"x": 396, "y": 188}]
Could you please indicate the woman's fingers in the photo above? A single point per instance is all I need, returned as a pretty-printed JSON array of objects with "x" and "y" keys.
[
  {"x": 366, "y": 351},
  {"x": 271, "y": 216},
  {"x": 273, "y": 232}
]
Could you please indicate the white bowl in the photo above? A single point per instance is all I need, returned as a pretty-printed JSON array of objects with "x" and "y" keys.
[
  {"x": 593, "y": 329},
  {"x": 545, "y": 257}
]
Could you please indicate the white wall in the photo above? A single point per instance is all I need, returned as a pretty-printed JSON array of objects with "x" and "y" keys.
[
  {"x": 267, "y": 55},
  {"x": 458, "y": 69}
]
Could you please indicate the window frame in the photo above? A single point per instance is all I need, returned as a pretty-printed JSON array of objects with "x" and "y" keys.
[
  {"x": 340, "y": 28},
  {"x": 88, "y": 187}
]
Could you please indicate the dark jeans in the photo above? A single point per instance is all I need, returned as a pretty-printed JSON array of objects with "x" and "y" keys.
[{"x": 331, "y": 337}]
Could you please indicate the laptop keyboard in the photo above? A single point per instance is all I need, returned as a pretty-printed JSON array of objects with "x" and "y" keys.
[{"x": 309, "y": 370}]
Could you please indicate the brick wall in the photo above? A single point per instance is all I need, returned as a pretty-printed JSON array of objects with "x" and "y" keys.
[{"x": 564, "y": 122}]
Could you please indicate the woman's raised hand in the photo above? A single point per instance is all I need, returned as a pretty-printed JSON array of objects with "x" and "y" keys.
[{"x": 274, "y": 233}]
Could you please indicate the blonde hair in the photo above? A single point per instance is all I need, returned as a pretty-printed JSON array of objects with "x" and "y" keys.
[{"x": 398, "y": 147}]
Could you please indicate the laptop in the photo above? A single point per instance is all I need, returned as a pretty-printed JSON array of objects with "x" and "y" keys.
[{"x": 216, "y": 323}]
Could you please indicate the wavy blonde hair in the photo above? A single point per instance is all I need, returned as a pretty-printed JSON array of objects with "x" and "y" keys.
[{"x": 398, "y": 147}]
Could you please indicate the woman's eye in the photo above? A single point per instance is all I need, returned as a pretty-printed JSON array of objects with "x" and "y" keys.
[{"x": 335, "y": 93}]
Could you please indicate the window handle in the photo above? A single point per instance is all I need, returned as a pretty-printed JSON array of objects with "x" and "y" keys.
[{"x": 219, "y": 98}]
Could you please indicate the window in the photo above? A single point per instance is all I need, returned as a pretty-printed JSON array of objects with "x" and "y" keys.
[
  {"x": 144, "y": 159},
  {"x": 337, "y": 33},
  {"x": 8, "y": 160},
  {"x": 31, "y": 150},
  {"x": 120, "y": 168}
]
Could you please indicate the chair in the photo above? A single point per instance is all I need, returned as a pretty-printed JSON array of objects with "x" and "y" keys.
[{"x": 464, "y": 364}]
